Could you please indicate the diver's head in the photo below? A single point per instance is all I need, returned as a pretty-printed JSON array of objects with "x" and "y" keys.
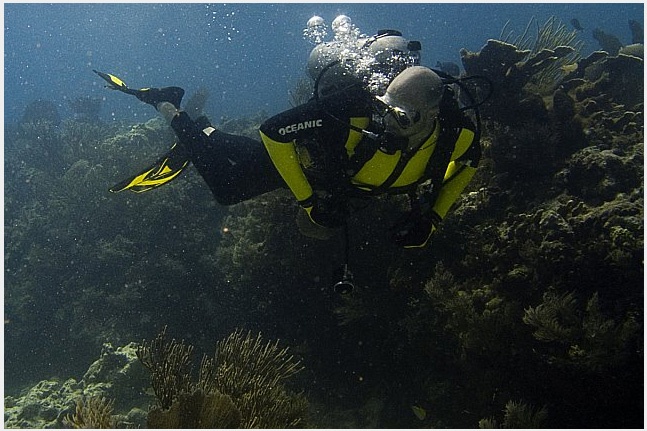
[{"x": 411, "y": 101}]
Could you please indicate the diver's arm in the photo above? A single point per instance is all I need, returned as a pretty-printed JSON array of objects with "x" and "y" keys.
[
  {"x": 284, "y": 157},
  {"x": 456, "y": 128},
  {"x": 313, "y": 120},
  {"x": 278, "y": 135},
  {"x": 459, "y": 173},
  {"x": 425, "y": 219}
]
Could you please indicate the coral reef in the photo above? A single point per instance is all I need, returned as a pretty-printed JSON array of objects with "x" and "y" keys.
[
  {"x": 71, "y": 246},
  {"x": 109, "y": 394},
  {"x": 608, "y": 42},
  {"x": 38, "y": 142},
  {"x": 552, "y": 35},
  {"x": 510, "y": 71},
  {"x": 591, "y": 342},
  {"x": 565, "y": 258},
  {"x": 169, "y": 363},
  {"x": 613, "y": 46},
  {"x": 197, "y": 410},
  {"x": 635, "y": 49},
  {"x": 601, "y": 78},
  {"x": 241, "y": 386},
  {"x": 252, "y": 372},
  {"x": 517, "y": 415}
]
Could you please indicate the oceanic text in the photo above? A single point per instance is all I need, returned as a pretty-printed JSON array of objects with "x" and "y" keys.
[{"x": 293, "y": 128}]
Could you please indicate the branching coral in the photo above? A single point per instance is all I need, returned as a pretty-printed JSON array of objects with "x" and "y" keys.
[
  {"x": 549, "y": 317},
  {"x": 524, "y": 71},
  {"x": 475, "y": 315},
  {"x": 244, "y": 361},
  {"x": 590, "y": 340},
  {"x": 170, "y": 365},
  {"x": 93, "y": 412},
  {"x": 518, "y": 415},
  {"x": 242, "y": 385},
  {"x": 353, "y": 308},
  {"x": 197, "y": 410},
  {"x": 252, "y": 372}
]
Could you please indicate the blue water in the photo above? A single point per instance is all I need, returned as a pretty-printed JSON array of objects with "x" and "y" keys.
[{"x": 247, "y": 55}]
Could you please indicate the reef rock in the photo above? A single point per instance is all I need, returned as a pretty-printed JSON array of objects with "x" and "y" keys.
[
  {"x": 510, "y": 69},
  {"x": 565, "y": 189},
  {"x": 42, "y": 406},
  {"x": 116, "y": 375},
  {"x": 635, "y": 49},
  {"x": 614, "y": 79}
]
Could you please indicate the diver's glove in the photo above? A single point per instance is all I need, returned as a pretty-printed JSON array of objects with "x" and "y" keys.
[
  {"x": 155, "y": 96},
  {"x": 415, "y": 229},
  {"x": 327, "y": 211}
]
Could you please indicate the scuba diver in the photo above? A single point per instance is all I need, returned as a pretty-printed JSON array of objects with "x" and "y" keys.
[{"x": 378, "y": 122}]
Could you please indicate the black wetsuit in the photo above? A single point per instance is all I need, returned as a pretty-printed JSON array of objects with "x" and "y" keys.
[{"x": 237, "y": 168}]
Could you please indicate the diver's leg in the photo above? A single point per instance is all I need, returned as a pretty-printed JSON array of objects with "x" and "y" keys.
[{"x": 235, "y": 168}]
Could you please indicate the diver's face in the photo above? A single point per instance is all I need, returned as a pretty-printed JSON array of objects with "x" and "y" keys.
[
  {"x": 409, "y": 123},
  {"x": 405, "y": 119},
  {"x": 395, "y": 118}
]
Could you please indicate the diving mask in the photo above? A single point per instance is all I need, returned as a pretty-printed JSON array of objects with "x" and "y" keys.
[{"x": 404, "y": 118}]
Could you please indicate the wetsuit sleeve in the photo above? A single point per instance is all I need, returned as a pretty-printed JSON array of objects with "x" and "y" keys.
[
  {"x": 279, "y": 134},
  {"x": 311, "y": 121},
  {"x": 285, "y": 160},
  {"x": 459, "y": 173},
  {"x": 460, "y": 170}
]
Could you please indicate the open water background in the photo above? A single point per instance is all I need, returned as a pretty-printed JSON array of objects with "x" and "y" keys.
[{"x": 247, "y": 55}]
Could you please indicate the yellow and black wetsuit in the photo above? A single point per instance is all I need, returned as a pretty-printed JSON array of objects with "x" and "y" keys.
[
  {"x": 332, "y": 144},
  {"x": 312, "y": 146},
  {"x": 320, "y": 146}
]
